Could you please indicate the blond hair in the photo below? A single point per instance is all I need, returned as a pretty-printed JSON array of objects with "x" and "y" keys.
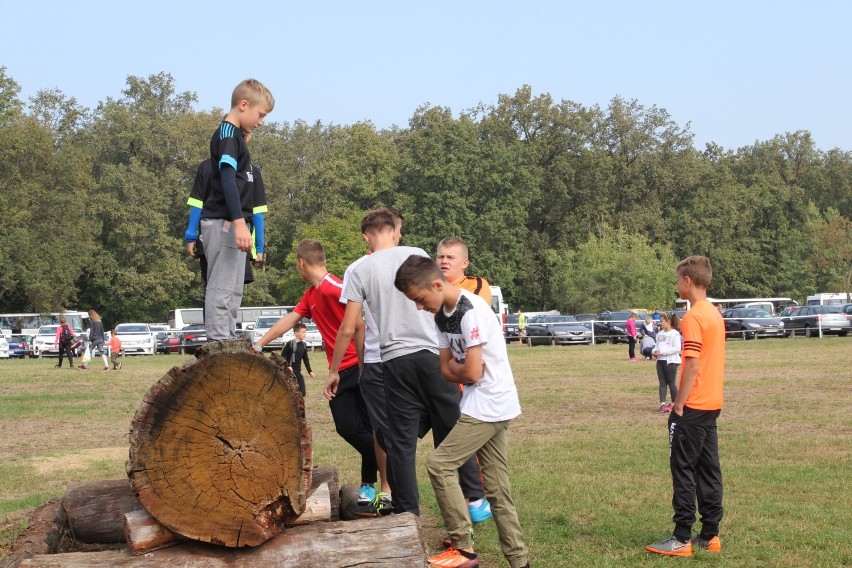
[{"x": 254, "y": 92}]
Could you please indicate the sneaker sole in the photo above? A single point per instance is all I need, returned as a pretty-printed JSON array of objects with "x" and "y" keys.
[{"x": 669, "y": 552}]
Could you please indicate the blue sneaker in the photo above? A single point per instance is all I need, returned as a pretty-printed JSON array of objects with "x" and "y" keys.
[
  {"x": 364, "y": 505},
  {"x": 481, "y": 513}
]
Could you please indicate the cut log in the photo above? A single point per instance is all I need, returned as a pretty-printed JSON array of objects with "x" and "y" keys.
[
  {"x": 144, "y": 533},
  {"x": 96, "y": 510},
  {"x": 394, "y": 541},
  {"x": 220, "y": 450}
]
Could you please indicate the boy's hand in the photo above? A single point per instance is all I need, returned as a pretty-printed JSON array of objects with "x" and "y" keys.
[
  {"x": 312, "y": 374},
  {"x": 331, "y": 385},
  {"x": 259, "y": 260},
  {"x": 242, "y": 236}
]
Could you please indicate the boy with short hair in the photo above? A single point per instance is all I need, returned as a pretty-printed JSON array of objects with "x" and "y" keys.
[
  {"x": 693, "y": 437},
  {"x": 321, "y": 303},
  {"x": 416, "y": 396},
  {"x": 295, "y": 352},
  {"x": 453, "y": 258},
  {"x": 472, "y": 353},
  {"x": 114, "y": 345},
  {"x": 227, "y": 212}
]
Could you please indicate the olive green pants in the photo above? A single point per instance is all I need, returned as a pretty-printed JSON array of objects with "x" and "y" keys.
[{"x": 489, "y": 440}]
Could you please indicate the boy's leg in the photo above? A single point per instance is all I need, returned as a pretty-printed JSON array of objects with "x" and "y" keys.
[
  {"x": 372, "y": 387},
  {"x": 404, "y": 407},
  {"x": 709, "y": 481},
  {"x": 442, "y": 399},
  {"x": 686, "y": 439},
  {"x": 494, "y": 459},
  {"x": 352, "y": 422},
  {"x": 225, "y": 273},
  {"x": 465, "y": 439}
]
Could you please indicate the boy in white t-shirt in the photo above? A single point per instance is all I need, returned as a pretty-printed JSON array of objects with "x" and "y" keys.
[{"x": 473, "y": 353}]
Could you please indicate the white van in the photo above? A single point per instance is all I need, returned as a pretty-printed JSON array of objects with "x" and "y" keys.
[{"x": 828, "y": 299}]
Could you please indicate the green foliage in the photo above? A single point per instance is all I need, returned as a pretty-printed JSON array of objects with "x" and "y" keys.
[
  {"x": 562, "y": 205},
  {"x": 616, "y": 270}
]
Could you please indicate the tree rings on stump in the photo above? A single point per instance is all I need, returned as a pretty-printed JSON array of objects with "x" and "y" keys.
[{"x": 220, "y": 450}]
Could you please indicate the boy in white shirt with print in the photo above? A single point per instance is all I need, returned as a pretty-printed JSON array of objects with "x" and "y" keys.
[{"x": 472, "y": 350}]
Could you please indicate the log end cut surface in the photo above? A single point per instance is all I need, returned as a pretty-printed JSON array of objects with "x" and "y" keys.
[{"x": 220, "y": 450}]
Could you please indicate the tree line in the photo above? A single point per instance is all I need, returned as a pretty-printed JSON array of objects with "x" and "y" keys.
[{"x": 564, "y": 206}]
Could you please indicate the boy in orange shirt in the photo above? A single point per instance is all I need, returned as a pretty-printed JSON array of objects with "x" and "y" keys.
[
  {"x": 693, "y": 438},
  {"x": 114, "y": 345}
]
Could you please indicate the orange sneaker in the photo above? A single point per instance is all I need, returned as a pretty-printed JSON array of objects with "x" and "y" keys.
[
  {"x": 712, "y": 545},
  {"x": 452, "y": 558},
  {"x": 671, "y": 547}
]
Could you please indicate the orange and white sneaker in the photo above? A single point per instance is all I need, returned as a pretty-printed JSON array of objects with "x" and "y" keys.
[
  {"x": 671, "y": 547},
  {"x": 453, "y": 558},
  {"x": 712, "y": 545}
]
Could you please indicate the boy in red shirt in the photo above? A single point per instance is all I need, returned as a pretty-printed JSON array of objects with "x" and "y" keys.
[
  {"x": 693, "y": 438},
  {"x": 321, "y": 303}
]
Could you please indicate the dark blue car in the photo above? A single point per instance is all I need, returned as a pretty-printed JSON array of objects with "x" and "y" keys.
[{"x": 19, "y": 346}]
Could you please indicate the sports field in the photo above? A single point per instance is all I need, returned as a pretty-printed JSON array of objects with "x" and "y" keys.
[{"x": 589, "y": 455}]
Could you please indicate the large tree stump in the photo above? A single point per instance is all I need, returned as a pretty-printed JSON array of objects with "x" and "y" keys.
[
  {"x": 220, "y": 450},
  {"x": 392, "y": 541}
]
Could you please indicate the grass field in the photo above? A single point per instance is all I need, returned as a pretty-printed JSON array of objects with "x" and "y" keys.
[{"x": 589, "y": 455}]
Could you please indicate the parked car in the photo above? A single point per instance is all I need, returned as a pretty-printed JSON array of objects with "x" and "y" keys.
[
  {"x": 4, "y": 347},
  {"x": 510, "y": 328},
  {"x": 136, "y": 338},
  {"x": 847, "y": 309},
  {"x": 788, "y": 312},
  {"x": 166, "y": 341},
  {"x": 19, "y": 346},
  {"x": 811, "y": 319},
  {"x": 562, "y": 330},
  {"x": 313, "y": 337},
  {"x": 262, "y": 325},
  {"x": 43, "y": 342},
  {"x": 192, "y": 337},
  {"x": 750, "y": 323},
  {"x": 615, "y": 322},
  {"x": 601, "y": 329}
]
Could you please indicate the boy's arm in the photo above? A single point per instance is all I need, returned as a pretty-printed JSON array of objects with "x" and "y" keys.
[
  {"x": 191, "y": 233},
  {"x": 235, "y": 208},
  {"x": 465, "y": 373},
  {"x": 344, "y": 335},
  {"x": 280, "y": 327},
  {"x": 687, "y": 379},
  {"x": 307, "y": 361},
  {"x": 258, "y": 219}
]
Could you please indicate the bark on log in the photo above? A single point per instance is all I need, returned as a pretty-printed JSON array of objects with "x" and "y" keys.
[
  {"x": 394, "y": 540},
  {"x": 42, "y": 536},
  {"x": 96, "y": 509},
  {"x": 220, "y": 450}
]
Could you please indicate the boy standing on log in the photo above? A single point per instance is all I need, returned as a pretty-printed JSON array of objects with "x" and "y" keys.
[
  {"x": 321, "y": 303},
  {"x": 227, "y": 212},
  {"x": 473, "y": 354}
]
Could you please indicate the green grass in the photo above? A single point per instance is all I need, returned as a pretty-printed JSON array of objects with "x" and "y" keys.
[{"x": 589, "y": 455}]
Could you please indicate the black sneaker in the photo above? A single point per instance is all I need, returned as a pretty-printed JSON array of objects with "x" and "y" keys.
[{"x": 383, "y": 504}]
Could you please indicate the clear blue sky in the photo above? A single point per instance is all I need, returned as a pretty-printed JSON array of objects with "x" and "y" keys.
[{"x": 738, "y": 71}]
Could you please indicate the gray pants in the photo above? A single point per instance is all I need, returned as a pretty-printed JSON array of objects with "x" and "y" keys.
[{"x": 226, "y": 265}]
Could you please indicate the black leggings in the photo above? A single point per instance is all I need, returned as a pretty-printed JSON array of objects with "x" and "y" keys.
[
  {"x": 65, "y": 349},
  {"x": 667, "y": 375}
]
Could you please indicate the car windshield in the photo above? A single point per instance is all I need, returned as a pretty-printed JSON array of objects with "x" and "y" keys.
[
  {"x": 829, "y": 309},
  {"x": 131, "y": 328},
  {"x": 266, "y": 322},
  {"x": 47, "y": 330},
  {"x": 619, "y": 316},
  {"x": 585, "y": 317},
  {"x": 755, "y": 313},
  {"x": 511, "y": 319},
  {"x": 563, "y": 319}
]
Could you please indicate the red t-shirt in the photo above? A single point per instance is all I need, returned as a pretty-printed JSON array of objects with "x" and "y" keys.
[{"x": 322, "y": 304}]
